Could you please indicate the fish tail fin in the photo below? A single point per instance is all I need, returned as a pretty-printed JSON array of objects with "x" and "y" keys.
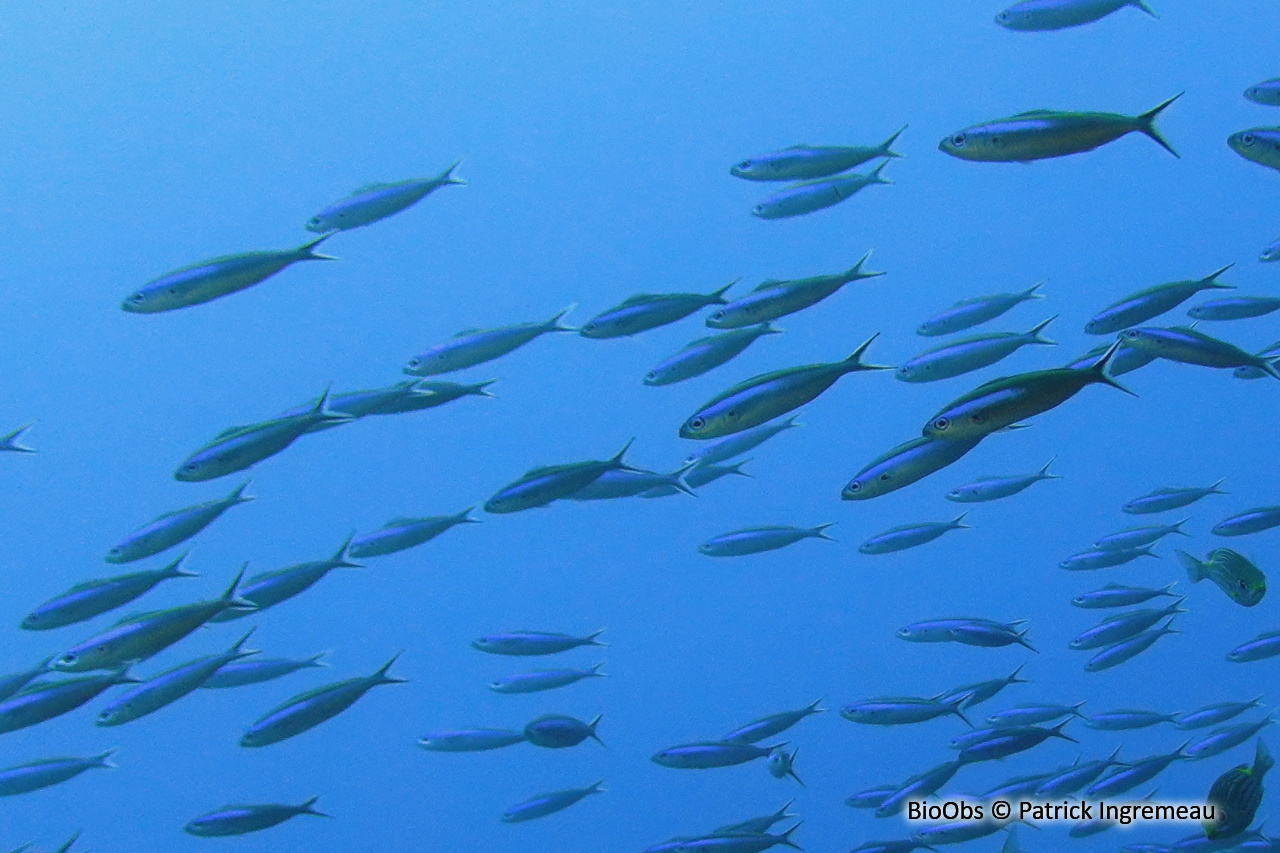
[
  {"x": 736, "y": 468},
  {"x": 1075, "y": 709},
  {"x": 1099, "y": 368},
  {"x": 593, "y": 639},
  {"x": 231, "y": 599},
  {"x": 874, "y": 176},
  {"x": 175, "y": 570},
  {"x": 855, "y": 362},
  {"x": 886, "y": 147},
  {"x": 238, "y": 496},
  {"x": 1013, "y": 676},
  {"x": 820, "y": 532},
  {"x": 306, "y": 251},
  {"x": 676, "y": 479},
  {"x": 1181, "y": 751},
  {"x": 956, "y": 704},
  {"x": 1146, "y": 124},
  {"x": 481, "y": 389},
  {"x": 103, "y": 759},
  {"x": 957, "y": 523},
  {"x": 314, "y": 660},
  {"x": 856, "y": 271},
  {"x": 1167, "y": 589},
  {"x": 309, "y": 807},
  {"x": 591, "y": 727},
  {"x": 381, "y": 676},
  {"x": 11, "y": 440},
  {"x": 1214, "y": 490},
  {"x": 1177, "y": 528},
  {"x": 716, "y": 297},
  {"x": 595, "y": 670},
  {"x": 448, "y": 177},
  {"x": 238, "y": 648},
  {"x": 1114, "y": 757},
  {"x": 1057, "y": 732},
  {"x": 1269, "y": 366},
  {"x": 339, "y": 559},
  {"x": 1034, "y": 333},
  {"x": 1044, "y": 474},
  {"x": 464, "y": 517},
  {"x": 321, "y": 413},
  {"x": 785, "y": 838},
  {"x": 791, "y": 771},
  {"x": 616, "y": 459},
  {"x": 554, "y": 325},
  {"x": 1033, "y": 292},
  {"x": 1022, "y": 640},
  {"x": 1140, "y": 4},
  {"x": 1211, "y": 282},
  {"x": 814, "y": 709},
  {"x": 767, "y": 328}
]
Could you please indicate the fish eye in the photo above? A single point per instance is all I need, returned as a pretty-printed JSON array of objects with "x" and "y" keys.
[
  {"x": 414, "y": 362},
  {"x": 1133, "y": 334},
  {"x": 942, "y": 423},
  {"x": 1243, "y": 585},
  {"x": 589, "y": 326},
  {"x": 697, "y": 423},
  {"x": 652, "y": 374},
  {"x": 1247, "y": 139},
  {"x": 135, "y": 298},
  {"x": 719, "y": 315},
  {"x": 745, "y": 164},
  {"x": 190, "y": 466},
  {"x": 67, "y": 658},
  {"x": 854, "y": 486},
  {"x": 759, "y": 208},
  {"x": 958, "y": 140}
]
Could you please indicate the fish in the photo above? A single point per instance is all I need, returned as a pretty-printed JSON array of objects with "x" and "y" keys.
[
  {"x": 646, "y": 311},
  {"x": 966, "y": 355},
  {"x": 1151, "y": 302},
  {"x": 1126, "y": 650},
  {"x": 1116, "y": 595},
  {"x": 1012, "y": 399},
  {"x": 805, "y": 162},
  {"x": 169, "y": 686},
  {"x": 728, "y": 843},
  {"x": 1127, "y": 719},
  {"x": 1235, "y": 575},
  {"x": 477, "y": 346},
  {"x": 757, "y": 540},
  {"x": 1266, "y": 93},
  {"x": 92, "y": 598},
  {"x": 533, "y": 643},
  {"x": 557, "y": 731},
  {"x": 773, "y": 299},
  {"x": 400, "y": 534},
  {"x": 1212, "y": 715},
  {"x": 268, "y": 589},
  {"x": 470, "y": 740},
  {"x": 762, "y": 398},
  {"x": 243, "y": 819},
  {"x": 903, "y": 465},
  {"x": 781, "y": 764},
  {"x": 393, "y": 399},
  {"x": 975, "y": 311},
  {"x": 701, "y": 475},
  {"x": 1010, "y": 741},
  {"x": 1126, "y": 360},
  {"x": 374, "y": 202},
  {"x": 43, "y": 701},
  {"x": 144, "y": 635},
  {"x": 872, "y": 798},
  {"x": 739, "y": 443},
  {"x": 1261, "y": 647},
  {"x": 957, "y": 831},
  {"x": 1169, "y": 498},
  {"x": 989, "y": 636},
  {"x": 706, "y": 354},
  {"x": 1254, "y": 520},
  {"x": 242, "y": 447},
  {"x": 1033, "y": 715},
  {"x": 428, "y": 394},
  {"x": 1188, "y": 346},
  {"x": 995, "y": 488},
  {"x": 939, "y": 630},
  {"x": 12, "y": 442},
  {"x": 174, "y": 528},
  {"x": 710, "y": 754},
  {"x": 629, "y": 484},
  {"x": 1104, "y": 558},
  {"x": 12, "y": 683},
  {"x": 308, "y": 710},
  {"x": 901, "y": 710},
  {"x": 1228, "y": 737},
  {"x": 1235, "y": 308},
  {"x": 1259, "y": 145},
  {"x": 1041, "y": 134},
  {"x": 757, "y": 824},
  {"x": 548, "y": 804},
  {"x": 921, "y": 785},
  {"x": 983, "y": 690},
  {"x": 1124, "y": 626},
  {"x": 1073, "y": 779},
  {"x": 1237, "y": 794},
  {"x": 811, "y": 196},
  {"x": 545, "y": 679},
  {"x": 1044, "y": 15},
  {"x": 35, "y": 775},
  {"x": 1089, "y": 828},
  {"x": 217, "y": 277},
  {"x": 1139, "y": 537},
  {"x": 772, "y": 725},
  {"x": 540, "y": 486},
  {"x": 910, "y": 535},
  {"x": 241, "y": 673}
]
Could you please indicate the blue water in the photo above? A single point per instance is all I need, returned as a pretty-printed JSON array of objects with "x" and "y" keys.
[{"x": 140, "y": 137}]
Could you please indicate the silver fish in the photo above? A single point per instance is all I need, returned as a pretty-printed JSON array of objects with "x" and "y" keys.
[
  {"x": 705, "y": 354},
  {"x": 1116, "y": 595},
  {"x": 241, "y": 673},
  {"x": 1103, "y": 558},
  {"x": 174, "y": 528},
  {"x": 911, "y": 535},
  {"x": 1151, "y": 302},
  {"x": 757, "y": 540},
  {"x": 548, "y": 804},
  {"x": 1261, "y": 647},
  {"x": 965, "y": 355},
  {"x": 399, "y": 534},
  {"x": 470, "y": 740},
  {"x": 1139, "y": 537},
  {"x": 773, "y": 299},
  {"x": 995, "y": 488},
  {"x": 975, "y": 311},
  {"x": 1212, "y": 715},
  {"x": 1188, "y": 346},
  {"x": 1235, "y": 308},
  {"x": 740, "y": 443},
  {"x": 1259, "y": 145},
  {"x": 811, "y": 196},
  {"x": 26, "y": 778},
  {"x": 646, "y": 311},
  {"x": 243, "y": 819},
  {"x": 477, "y": 346},
  {"x": 1169, "y": 498},
  {"x": 540, "y": 486},
  {"x": 1042, "y": 15},
  {"x": 92, "y": 598},
  {"x": 271, "y": 588},
  {"x": 804, "y": 162},
  {"x": 373, "y": 202},
  {"x": 1126, "y": 650},
  {"x": 546, "y": 679},
  {"x": 534, "y": 643},
  {"x": 1253, "y": 520}
]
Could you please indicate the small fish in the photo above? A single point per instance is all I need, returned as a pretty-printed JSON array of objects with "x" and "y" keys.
[
  {"x": 540, "y": 486},
  {"x": 399, "y": 534},
  {"x": 1151, "y": 302},
  {"x": 548, "y": 804},
  {"x": 1044, "y": 15},
  {"x": 910, "y": 536},
  {"x": 308, "y": 710},
  {"x": 757, "y": 540},
  {"x": 1033, "y": 715},
  {"x": 646, "y": 311},
  {"x": 1225, "y": 738},
  {"x": 1126, "y": 360},
  {"x": 217, "y": 277},
  {"x": 811, "y": 196},
  {"x": 174, "y": 528},
  {"x": 705, "y": 354},
  {"x": 1188, "y": 346},
  {"x": 11, "y": 684},
  {"x": 1237, "y": 794},
  {"x": 1139, "y": 537},
  {"x": 872, "y": 798},
  {"x": 700, "y": 476},
  {"x": 545, "y": 679},
  {"x": 921, "y": 785},
  {"x": 995, "y": 488},
  {"x": 757, "y": 825},
  {"x": 1236, "y": 576},
  {"x": 740, "y": 443},
  {"x": 243, "y": 819},
  {"x": 982, "y": 690},
  {"x": 975, "y": 311},
  {"x": 169, "y": 686},
  {"x": 1212, "y": 715},
  {"x": 1116, "y": 595},
  {"x": 1010, "y": 741},
  {"x": 470, "y": 740},
  {"x": 45, "y": 700},
  {"x": 1169, "y": 498},
  {"x": 557, "y": 731},
  {"x": 92, "y": 598},
  {"x": 12, "y": 442},
  {"x": 533, "y": 643},
  {"x": 965, "y": 355},
  {"x": 1261, "y": 647},
  {"x": 1253, "y": 520},
  {"x": 242, "y": 447},
  {"x": 901, "y": 710},
  {"x": 773, "y": 299},
  {"x": 1126, "y": 650},
  {"x": 374, "y": 202},
  {"x": 781, "y": 764},
  {"x": 772, "y": 725},
  {"x": 271, "y": 588},
  {"x": 1260, "y": 145},
  {"x": 710, "y": 754},
  {"x": 26, "y": 778},
  {"x": 957, "y": 832},
  {"x": 1016, "y": 789},
  {"x": 1266, "y": 93},
  {"x": 905, "y": 464},
  {"x": 612, "y": 485},
  {"x": 376, "y": 401},
  {"x": 241, "y": 673},
  {"x": 1235, "y": 308},
  {"x": 1040, "y": 134},
  {"x": 1073, "y": 779},
  {"x": 989, "y": 636},
  {"x": 477, "y": 346},
  {"x": 762, "y": 398},
  {"x": 805, "y": 162},
  {"x": 1103, "y": 558},
  {"x": 1127, "y": 719},
  {"x": 1124, "y": 626},
  {"x": 939, "y": 630},
  {"x": 428, "y": 394}
]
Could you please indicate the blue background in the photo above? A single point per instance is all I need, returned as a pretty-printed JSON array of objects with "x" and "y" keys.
[{"x": 140, "y": 137}]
